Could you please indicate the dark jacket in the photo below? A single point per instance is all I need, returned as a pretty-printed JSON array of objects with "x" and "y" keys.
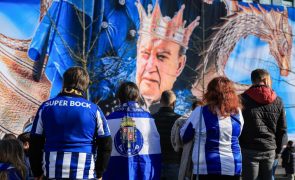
[
  {"x": 265, "y": 121},
  {"x": 164, "y": 120},
  {"x": 288, "y": 160}
]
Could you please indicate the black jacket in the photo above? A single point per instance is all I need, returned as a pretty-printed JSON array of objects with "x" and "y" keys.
[
  {"x": 288, "y": 160},
  {"x": 164, "y": 120},
  {"x": 265, "y": 121}
]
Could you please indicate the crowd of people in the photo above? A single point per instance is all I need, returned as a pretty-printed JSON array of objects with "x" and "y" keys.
[{"x": 224, "y": 136}]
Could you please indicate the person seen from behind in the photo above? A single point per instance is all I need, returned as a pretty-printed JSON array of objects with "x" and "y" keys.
[
  {"x": 215, "y": 129},
  {"x": 164, "y": 120},
  {"x": 264, "y": 129},
  {"x": 288, "y": 160},
  {"x": 136, "y": 153},
  {"x": 71, "y": 133},
  {"x": 24, "y": 138}
]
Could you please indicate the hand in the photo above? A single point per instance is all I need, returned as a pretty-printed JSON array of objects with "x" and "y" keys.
[{"x": 100, "y": 178}]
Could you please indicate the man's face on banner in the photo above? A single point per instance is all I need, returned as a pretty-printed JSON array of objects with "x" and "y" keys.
[{"x": 158, "y": 65}]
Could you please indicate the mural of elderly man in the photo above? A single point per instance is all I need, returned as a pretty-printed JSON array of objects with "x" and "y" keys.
[{"x": 161, "y": 49}]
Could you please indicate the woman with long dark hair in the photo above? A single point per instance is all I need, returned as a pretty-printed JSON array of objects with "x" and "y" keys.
[
  {"x": 12, "y": 165},
  {"x": 215, "y": 129}
]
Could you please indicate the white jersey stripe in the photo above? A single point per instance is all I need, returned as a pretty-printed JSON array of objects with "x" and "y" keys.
[
  {"x": 100, "y": 130},
  {"x": 39, "y": 128},
  {"x": 81, "y": 163},
  {"x": 52, "y": 160},
  {"x": 66, "y": 165},
  {"x": 91, "y": 170},
  {"x": 226, "y": 156}
]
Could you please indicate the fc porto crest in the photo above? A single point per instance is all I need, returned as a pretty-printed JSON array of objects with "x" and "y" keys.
[{"x": 128, "y": 140}]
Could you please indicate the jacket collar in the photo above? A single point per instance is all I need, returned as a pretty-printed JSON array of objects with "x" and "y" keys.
[{"x": 261, "y": 94}]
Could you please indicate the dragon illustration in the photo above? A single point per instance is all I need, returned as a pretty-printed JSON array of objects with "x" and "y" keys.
[
  {"x": 270, "y": 26},
  {"x": 21, "y": 94}
]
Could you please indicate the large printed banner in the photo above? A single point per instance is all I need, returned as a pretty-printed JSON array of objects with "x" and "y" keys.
[{"x": 159, "y": 45}]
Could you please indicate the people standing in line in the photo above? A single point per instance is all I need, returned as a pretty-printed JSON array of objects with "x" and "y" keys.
[
  {"x": 288, "y": 160},
  {"x": 216, "y": 128},
  {"x": 136, "y": 153},
  {"x": 71, "y": 133},
  {"x": 12, "y": 166},
  {"x": 164, "y": 120},
  {"x": 264, "y": 129}
]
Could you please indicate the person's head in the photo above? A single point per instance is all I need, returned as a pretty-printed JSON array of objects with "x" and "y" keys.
[
  {"x": 168, "y": 99},
  {"x": 76, "y": 78},
  {"x": 11, "y": 152},
  {"x": 25, "y": 139},
  {"x": 260, "y": 77},
  {"x": 160, "y": 51},
  {"x": 9, "y": 136},
  {"x": 128, "y": 91},
  {"x": 290, "y": 144},
  {"x": 221, "y": 95},
  {"x": 159, "y": 63}
]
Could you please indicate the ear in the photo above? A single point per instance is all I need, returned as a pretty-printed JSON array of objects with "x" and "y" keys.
[
  {"x": 26, "y": 145},
  {"x": 181, "y": 64},
  {"x": 264, "y": 81},
  {"x": 173, "y": 104},
  {"x": 267, "y": 81}
]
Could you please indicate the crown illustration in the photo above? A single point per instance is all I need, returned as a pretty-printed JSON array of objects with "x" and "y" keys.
[{"x": 164, "y": 27}]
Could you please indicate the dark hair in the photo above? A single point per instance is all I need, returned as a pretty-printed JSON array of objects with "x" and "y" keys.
[
  {"x": 76, "y": 78},
  {"x": 24, "y": 137},
  {"x": 258, "y": 75},
  {"x": 167, "y": 98},
  {"x": 9, "y": 136},
  {"x": 221, "y": 94},
  {"x": 11, "y": 152},
  {"x": 128, "y": 91},
  {"x": 197, "y": 103},
  {"x": 290, "y": 143}
]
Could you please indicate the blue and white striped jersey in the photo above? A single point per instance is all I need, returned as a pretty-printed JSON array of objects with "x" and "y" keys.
[
  {"x": 70, "y": 125},
  {"x": 136, "y": 152},
  {"x": 220, "y": 152}
]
